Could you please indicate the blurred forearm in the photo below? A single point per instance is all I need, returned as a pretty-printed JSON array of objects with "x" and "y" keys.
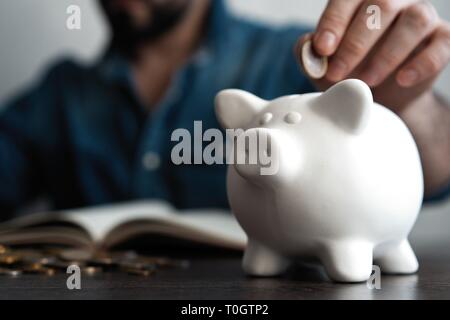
[{"x": 429, "y": 120}]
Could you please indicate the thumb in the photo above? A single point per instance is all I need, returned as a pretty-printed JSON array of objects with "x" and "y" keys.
[{"x": 320, "y": 84}]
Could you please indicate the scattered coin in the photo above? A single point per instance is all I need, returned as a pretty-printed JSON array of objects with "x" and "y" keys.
[
  {"x": 35, "y": 267},
  {"x": 46, "y": 260},
  {"x": 10, "y": 272},
  {"x": 49, "y": 261},
  {"x": 103, "y": 262},
  {"x": 50, "y": 271},
  {"x": 56, "y": 264},
  {"x": 9, "y": 259},
  {"x": 91, "y": 271},
  {"x": 28, "y": 255},
  {"x": 314, "y": 65},
  {"x": 38, "y": 269}
]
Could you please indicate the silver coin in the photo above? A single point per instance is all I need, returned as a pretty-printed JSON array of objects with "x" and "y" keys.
[
  {"x": 10, "y": 272},
  {"x": 314, "y": 65}
]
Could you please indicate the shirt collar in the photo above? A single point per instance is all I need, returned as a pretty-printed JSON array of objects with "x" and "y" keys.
[{"x": 114, "y": 68}]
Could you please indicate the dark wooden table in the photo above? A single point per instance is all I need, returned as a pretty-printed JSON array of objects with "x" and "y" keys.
[{"x": 219, "y": 276}]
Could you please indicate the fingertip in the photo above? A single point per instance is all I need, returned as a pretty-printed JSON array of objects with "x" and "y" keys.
[
  {"x": 325, "y": 43},
  {"x": 371, "y": 78},
  {"x": 407, "y": 77},
  {"x": 337, "y": 70}
]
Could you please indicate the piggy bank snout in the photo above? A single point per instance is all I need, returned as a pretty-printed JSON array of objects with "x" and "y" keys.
[
  {"x": 260, "y": 152},
  {"x": 254, "y": 152}
]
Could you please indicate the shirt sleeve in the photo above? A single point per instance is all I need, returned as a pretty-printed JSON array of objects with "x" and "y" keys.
[
  {"x": 26, "y": 127},
  {"x": 17, "y": 168},
  {"x": 441, "y": 195}
]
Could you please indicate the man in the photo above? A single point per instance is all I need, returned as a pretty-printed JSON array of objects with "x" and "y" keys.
[{"x": 101, "y": 133}]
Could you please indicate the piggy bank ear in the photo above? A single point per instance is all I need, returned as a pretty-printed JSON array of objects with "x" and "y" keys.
[
  {"x": 236, "y": 108},
  {"x": 348, "y": 104}
]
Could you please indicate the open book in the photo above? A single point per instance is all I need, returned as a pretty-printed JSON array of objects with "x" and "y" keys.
[{"x": 109, "y": 226}]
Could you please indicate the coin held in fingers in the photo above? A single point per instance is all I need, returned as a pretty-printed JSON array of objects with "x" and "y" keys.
[{"x": 314, "y": 65}]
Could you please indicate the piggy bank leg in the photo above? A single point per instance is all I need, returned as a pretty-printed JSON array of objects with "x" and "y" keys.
[
  {"x": 347, "y": 261},
  {"x": 398, "y": 258},
  {"x": 262, "y": 261}
]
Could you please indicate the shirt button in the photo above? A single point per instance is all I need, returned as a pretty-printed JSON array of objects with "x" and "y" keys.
[{"x": 151, "y": 161}]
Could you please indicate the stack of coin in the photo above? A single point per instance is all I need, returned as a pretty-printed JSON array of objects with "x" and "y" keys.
[{"x": 50, "y": 261}]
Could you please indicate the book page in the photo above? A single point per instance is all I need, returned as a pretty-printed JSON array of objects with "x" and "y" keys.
[
  {"x": 210, "y": 225},
  {"x": 98, "y": 221},
  {"x": 216, "y": 223}
]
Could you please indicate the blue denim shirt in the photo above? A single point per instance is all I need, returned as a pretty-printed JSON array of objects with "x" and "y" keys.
[{"x": 81, "y": 136}]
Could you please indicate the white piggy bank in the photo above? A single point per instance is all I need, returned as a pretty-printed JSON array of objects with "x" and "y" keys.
[{"x": 347, "y": 188}]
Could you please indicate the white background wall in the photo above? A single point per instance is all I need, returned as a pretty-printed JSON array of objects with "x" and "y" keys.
[{"x": 32, "y": 33}]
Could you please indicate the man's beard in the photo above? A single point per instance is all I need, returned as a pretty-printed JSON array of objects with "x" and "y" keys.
[{"x": 127, "y": 37}]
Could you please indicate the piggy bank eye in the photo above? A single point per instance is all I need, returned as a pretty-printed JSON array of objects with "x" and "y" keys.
[
  {"x": 293, "y": 118},
  {"x": 265, "y": 119}
]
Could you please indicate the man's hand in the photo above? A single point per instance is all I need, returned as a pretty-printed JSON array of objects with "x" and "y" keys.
[{"x": 400, "y": 62}]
